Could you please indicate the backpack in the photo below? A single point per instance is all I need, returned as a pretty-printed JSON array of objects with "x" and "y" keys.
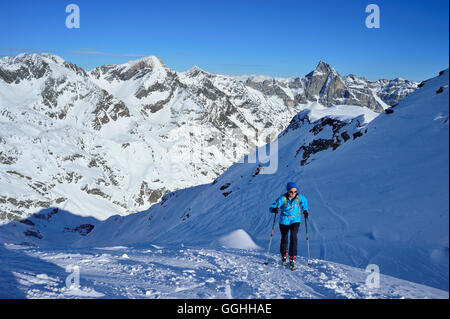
[{"x": 298, "y": 204}]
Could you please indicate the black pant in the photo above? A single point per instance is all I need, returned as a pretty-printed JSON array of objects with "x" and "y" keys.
[{"x": 293, "y": 238}]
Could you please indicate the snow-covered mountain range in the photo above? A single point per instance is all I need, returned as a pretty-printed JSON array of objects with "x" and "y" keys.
[
  {"x": 377, "y": 187},
  {"x": 115, "y": 139}
]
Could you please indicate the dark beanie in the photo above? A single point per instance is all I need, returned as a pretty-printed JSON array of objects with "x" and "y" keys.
[{"x": 291, "y": 185}]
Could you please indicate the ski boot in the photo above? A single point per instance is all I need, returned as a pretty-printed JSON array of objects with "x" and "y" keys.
[
  {"x": 292, "y": 262},
  {"x": 284, "y": 260}
]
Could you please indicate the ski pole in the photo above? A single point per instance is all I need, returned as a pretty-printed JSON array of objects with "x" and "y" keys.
[
  {"x": 307, "y": 240},
  {"x": 270, "y": 242}
]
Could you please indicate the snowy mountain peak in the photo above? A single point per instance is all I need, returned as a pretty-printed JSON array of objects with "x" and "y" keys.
[
  {"x": 54, "y": 58},
  {"x": 132, "y": 70},
  {"x": 195, "y": 71},
  {"x": 31, "y": 67},
  {"x": 149, "y": 62},
  {"x": 25, "y": 57},
  {"x": 33, "y": 59}
]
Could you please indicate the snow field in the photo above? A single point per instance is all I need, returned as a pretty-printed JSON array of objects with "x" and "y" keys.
[{"x": 186, "y": 273}]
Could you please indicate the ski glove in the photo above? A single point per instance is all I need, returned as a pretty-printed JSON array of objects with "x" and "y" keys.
[
  {"x": 275, "y": 210},
  {"x": 305, "y": 213}
]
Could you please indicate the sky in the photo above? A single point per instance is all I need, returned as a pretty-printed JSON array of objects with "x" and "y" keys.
[{"x": 276, "y": 38}]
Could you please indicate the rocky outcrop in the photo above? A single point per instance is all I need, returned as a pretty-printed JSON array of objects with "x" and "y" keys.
[{"x": 108, "y": 108}]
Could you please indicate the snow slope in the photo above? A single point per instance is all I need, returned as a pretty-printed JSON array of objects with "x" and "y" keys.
[{"x": 184, "y": 273}]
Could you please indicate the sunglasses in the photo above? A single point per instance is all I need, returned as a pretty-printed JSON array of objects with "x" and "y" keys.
[{"x": 292, "y": 192}]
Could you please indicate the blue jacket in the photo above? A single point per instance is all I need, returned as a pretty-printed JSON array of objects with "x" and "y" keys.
[{"x": 291, "y": 212}]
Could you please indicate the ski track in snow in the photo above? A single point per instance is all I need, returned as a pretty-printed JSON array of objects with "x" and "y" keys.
[
  {"x": 343, "y": 225},
  {"x": 181, "y": 272}
]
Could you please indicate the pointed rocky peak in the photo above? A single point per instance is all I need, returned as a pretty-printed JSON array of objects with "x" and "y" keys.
[
  {"x": 323, "y": 66},
  {"x": 322, "y": 69},
  {"x": 149, "y": 62},
  {"x": 195, "y": 71},
  {"x": 195, "y": 68}
]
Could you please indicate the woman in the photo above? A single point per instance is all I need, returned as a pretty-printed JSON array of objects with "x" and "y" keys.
[{"x": 290, "y": 206}]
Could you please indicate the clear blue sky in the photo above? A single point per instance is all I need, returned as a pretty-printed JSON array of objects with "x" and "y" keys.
[{"x": 278, "y": 38}]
